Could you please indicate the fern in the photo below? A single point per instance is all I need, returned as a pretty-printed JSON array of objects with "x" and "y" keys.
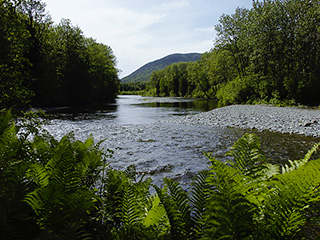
[
  {"x": 279, "y": 199},
  {"x": 290, "y": 197},
  {"x": 155, "y": 214},
  {"x": 74, "y": 231},
  {"x": 248, "y": 156},
  {"x": 59, "y": 197},
  {"x": 176, "y": 203},
  {"x": 132, "y": 211},
  {"x": 6, "y": 120},
  {"x": 293, "y": 165},
  {"x": 174, "y": 216},
  {"x": 229, "y": 213},
  {"x": 292, "y": 194},
  {"x": 131, "y": 208},
  {"x": 199, "y": 197},
  {"x": 181, "y": 200},
  {"x": 13, "y": 184}
]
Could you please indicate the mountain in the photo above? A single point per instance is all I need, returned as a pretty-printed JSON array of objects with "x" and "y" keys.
[{"x": 143, "y": 74}]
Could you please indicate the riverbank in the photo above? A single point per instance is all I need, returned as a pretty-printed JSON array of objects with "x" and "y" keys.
[{"x": 260, "y": 117}]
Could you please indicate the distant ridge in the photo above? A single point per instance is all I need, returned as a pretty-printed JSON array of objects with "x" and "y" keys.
[{"x": 143, "y": 74}]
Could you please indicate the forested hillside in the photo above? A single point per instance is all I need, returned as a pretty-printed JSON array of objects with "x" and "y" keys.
[
  {"x": 269, "y": 53},
  {"x": 143, "y": 74},
  {"x": 46, "y": 64}
]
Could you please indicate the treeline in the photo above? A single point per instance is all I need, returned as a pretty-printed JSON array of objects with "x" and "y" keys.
[
  {"x": 64, "y": 189},
  {"x": 43, "y": 64},
  {"x": 267, "y": 53},
  {"x": 132, "y": 86}
]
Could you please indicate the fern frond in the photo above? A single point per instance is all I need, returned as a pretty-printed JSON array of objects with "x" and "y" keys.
[
  {"x": 8, "y": 143},
  {"x": 154, "y": 215},
  {"x": 34, "y": 200},
  {"x": 65, "y": 174},
  {"x": 177, "y": 225},
  {"x": 131, "y": 209},
  {"x": 39, "y": 174},
  {"x": 74, "y": 231},
  {"x": 6, "y": 120},
  {"x": 229, "y": 213},
  {"x": 198, "y": 200},
  {"x": 181, "y": 203},
  {"x": 130, "y": 172},
  {"x": 290, "y": 196},
  {"x": 269, "y": 171},
  {"x": 293, "y": 165},
  {"x": 247, "y": 155},
  {"x": 313, "y": 150},
  {"x": 81, "y": 202}
]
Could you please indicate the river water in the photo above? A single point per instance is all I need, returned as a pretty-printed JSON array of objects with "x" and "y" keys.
[{"x": 134, "y": 129}]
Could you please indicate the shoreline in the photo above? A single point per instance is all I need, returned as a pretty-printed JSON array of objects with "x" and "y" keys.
[{"x": 292, "y": 120}]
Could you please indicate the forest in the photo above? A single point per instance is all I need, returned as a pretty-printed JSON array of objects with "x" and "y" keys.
[
  {"x": 45, "y": 64},
  {"x": 269, "y": 53},
  {"x": 143, "y": 74}
]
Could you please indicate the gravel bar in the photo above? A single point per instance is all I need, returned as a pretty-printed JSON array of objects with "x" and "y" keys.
[{"x": 260, "y": 117}]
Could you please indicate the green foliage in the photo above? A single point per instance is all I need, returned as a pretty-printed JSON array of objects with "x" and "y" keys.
[
  {"x": 269, "y": 53},
  {"x": 13, "y": 64},
  {"x": 258, "y": 201},
  {"x": 156, "y": 213},
  {"x": 144, "y": 73},
  {"x": 59, "y": 186},
  {"x": 78, "y": 69},
  {"x": 133, "y": 88},
  {"x": 171, "y": 81},
  {"x": 176, "y": 204},
  {"x": 199, "y": 195},
  {"x": 48, "y": 65},
  {"x": 15, "y": 221},
  {"x": 247, "y": 155},
  {"x": 230, "y": 213}
]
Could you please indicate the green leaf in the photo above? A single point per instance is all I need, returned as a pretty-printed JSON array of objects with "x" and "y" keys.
[{"x": 155, "y": 214}]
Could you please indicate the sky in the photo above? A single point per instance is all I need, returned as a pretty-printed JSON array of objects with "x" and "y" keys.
[{"x": 141, "y": 31}]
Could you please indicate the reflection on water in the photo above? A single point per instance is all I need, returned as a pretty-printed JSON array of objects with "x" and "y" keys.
[
  {"x": 199, "y": 105},
  {"x": 86, "y": 112},
  {"x": 131, "y": 109},
  {"x": 133, "y": 128}
]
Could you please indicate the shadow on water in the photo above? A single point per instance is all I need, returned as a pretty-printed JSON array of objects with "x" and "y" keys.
[
  {"x": 84, "y": 112},
  {"x": 198, "y": 105}
]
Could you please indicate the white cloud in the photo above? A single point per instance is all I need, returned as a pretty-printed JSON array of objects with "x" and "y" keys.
[
  {"x": 206, "y": 30},
  {"x": 172, "y": 5}
]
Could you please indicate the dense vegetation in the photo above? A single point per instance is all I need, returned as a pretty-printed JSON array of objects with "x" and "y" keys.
[
  {"x": 133, "y": 88},
  {"x": 43, "y": 64},
  {"x": 267, "y": 53},
  {"x": 143, "y": 74},
  {"x": 136, "y": 82},
  {"x": 64, "y": 189}
]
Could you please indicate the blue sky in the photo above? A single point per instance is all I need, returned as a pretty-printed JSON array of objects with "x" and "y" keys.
[{"x": 140, "y": 31}]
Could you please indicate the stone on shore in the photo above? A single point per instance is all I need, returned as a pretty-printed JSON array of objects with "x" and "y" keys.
[{"x": 260, "y": 117}]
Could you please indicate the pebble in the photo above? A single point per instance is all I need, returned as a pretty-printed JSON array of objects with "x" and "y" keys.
[{"x": 277, "y": 119}]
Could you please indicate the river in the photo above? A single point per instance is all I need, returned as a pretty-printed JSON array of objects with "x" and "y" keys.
[{"x": 134, "y": 129}]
